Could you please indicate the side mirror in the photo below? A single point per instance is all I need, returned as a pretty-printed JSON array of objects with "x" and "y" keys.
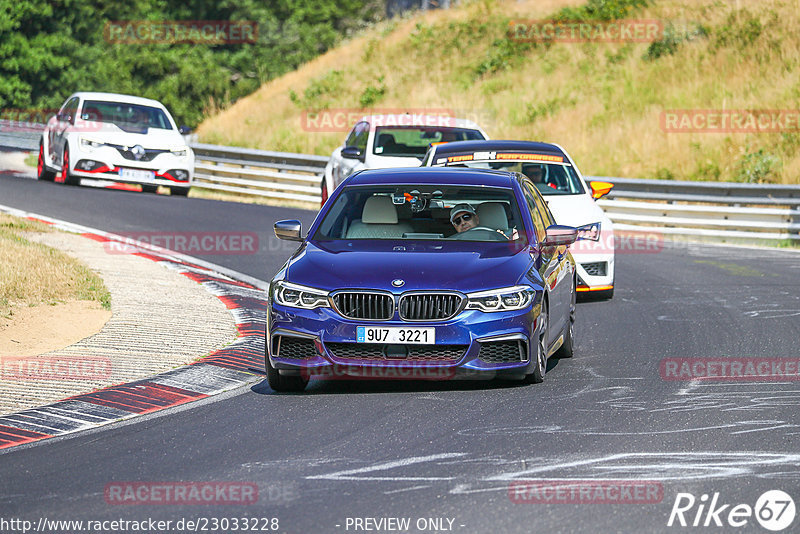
[
  {"x": 558, "y": 234},
  {"x": 184, "y": 130},
  {"x": 64, "y": 117},
  {"x": 352, "y": 152},
  {"x": 600, "y": 189},
  {"x": 289, "y": 230}
]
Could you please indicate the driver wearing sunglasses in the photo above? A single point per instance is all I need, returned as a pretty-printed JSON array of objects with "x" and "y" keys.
[{"x": 463, "y": 217}]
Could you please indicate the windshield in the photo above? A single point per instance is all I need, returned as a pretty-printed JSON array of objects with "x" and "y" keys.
[
  {"x": 415, "y": 141},
  {"x": 423, "y": 212},
  {"x": 549, "y": 178},
  {"x": 132, "y": 118}
]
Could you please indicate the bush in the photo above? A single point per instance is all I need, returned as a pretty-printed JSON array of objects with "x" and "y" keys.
[
  {"x": 758, "y": 167},
  {"x": 601, "y": 10},
  {"x": 372, "y": 94},
  {"x": 49, "y": 53}
]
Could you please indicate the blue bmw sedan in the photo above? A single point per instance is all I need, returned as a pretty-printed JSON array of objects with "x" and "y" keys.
[{"x": 424, "y": 273}]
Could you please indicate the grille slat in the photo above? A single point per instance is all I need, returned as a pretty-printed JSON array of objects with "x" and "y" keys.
[
  {"x": 364, "y": 305},
  {"x": 294, "y": 347},
  {"x": 376, "y": 351},
  {"x": 599, "y": 268},
  {"x": 501, "y": 351},
  {"x": 430, "y": 306}
]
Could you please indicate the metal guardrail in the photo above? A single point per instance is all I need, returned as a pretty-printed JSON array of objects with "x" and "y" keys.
[
  {"x": 718, "y": 210},
  {"x": 279, "y": 175},
  {"x": 21, "y": 140},
  {"x": 715, "y": 210}
]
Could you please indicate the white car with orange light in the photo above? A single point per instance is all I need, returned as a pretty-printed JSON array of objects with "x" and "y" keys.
[{"x": 570, "y": 199}]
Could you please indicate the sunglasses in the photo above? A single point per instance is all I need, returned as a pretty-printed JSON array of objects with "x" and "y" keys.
[{"x": 465, "y": 217}]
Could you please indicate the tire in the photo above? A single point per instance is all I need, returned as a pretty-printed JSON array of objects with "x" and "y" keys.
[
  {"x": 537, "y": 376},
  {"x": 42, "y": 172},
  {"x": 283, "y": 384},
  {"x": 606, "y": 294},
  {"x": 323, "y": 192},
  {"x": 64, "y": 176},
  {"x": 179, "y": 191},
  {"x": 567, "y": 349}
]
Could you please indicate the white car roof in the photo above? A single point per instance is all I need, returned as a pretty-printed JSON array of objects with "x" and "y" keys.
[
  {"x": 114, "y": 97},
  {"x": 418, "y": 119}
]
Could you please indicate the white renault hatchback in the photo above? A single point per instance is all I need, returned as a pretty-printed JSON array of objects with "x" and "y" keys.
[
  {"x": 570, "y": 199},
  {"x": 394, "y": 140},
  {"x": 121, "y": 138}
]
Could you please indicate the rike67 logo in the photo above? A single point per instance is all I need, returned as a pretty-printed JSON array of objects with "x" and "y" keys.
[{"x": 774, "y": 510}]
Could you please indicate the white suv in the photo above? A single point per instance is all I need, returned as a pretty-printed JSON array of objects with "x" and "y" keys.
[
  {"x": 399, "y": 140},
  {"x": 116, "y": 137}
]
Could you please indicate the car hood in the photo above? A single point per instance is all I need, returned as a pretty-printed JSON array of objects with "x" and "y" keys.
[
  {"x": 576, "y": 210},
  {"x": 154, "y": 138},
  {"x": 461, "y": 266}
]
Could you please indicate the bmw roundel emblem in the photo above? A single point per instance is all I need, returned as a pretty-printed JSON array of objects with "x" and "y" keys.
[{"x": 398, "y": 282}]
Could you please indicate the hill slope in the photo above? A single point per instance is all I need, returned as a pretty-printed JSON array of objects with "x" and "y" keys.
[{"x": 602, "y": 101}]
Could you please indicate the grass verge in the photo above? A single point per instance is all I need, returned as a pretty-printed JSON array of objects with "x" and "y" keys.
[{"x": 32, "y": 274}]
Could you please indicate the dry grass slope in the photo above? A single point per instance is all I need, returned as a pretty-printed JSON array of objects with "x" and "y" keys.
[
  {"x": 602, "y": 101},
  {"x": 33, "y": 274}
]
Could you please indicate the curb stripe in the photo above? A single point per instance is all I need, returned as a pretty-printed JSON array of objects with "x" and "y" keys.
[
  {"x": 9, "y": 437},
  {"x": 238, "y": 364}
]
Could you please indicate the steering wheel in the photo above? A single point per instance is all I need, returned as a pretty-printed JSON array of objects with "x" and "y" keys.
[{"x": 491, "y": 233}]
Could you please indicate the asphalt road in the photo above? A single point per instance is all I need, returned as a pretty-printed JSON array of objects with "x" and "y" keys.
[{"x": 450, "y": 450}]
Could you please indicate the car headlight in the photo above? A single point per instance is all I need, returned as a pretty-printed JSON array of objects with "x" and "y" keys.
[
  {"x": 503, "y": 299},
  {"x": 297, "y": 296},
  {"x": 90, "y": 143},
  {"x": 179, "y": 152},
  {"x": 590, "y": 232}
]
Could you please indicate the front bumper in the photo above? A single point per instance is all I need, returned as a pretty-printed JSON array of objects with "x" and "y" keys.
[
  {"x": 474, "y": 344},
  {"x": 106, "y": 163},
  {"x": 594, "y": 263}
]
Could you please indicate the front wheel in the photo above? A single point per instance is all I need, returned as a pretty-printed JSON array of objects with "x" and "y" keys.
[
  {"x": 283, "y": 384},
  {"x": 606, "y": 294},
  {"x": 179, "y": 191},
  {"x": 567, "y": 349},
  {"x": 65, "y": 177},
  {"x": 42, "y": 172},
  {"x": 537, "y": 376}
]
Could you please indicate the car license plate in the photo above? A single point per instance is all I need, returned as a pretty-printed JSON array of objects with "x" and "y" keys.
[
  {"x": 395, "y": 334},
  {"x": 137, "y": 175}
]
